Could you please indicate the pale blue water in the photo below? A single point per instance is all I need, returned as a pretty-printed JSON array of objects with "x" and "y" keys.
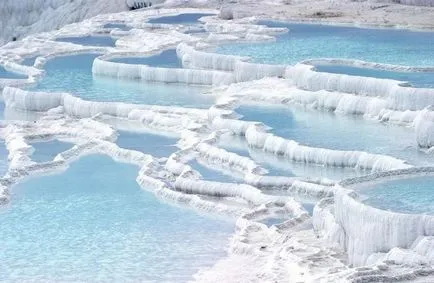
[
  {"x": 90, "y": 40},
  {"x": 99, "y": 225},
  {"x": 416, "y": 79},
  {"x": 47, "y": 150},
  {"x": 166, "y": 59},
  {"x": 340, "y": 132},
  {"x": 123, "y": 27},
  {"x": 155, "y": 145},
  {"x": 29, "y": 61},
  {"x": 189, "y": 18},
  {"x": 4, "y": 74},
  {"x": 74, "y": 74},
  {"x": 412, "y": 195},
  {"x": 308, "y": 41}
]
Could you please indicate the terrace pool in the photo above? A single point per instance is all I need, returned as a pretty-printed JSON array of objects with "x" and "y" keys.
[
  {"x": 29, "y": 61},
  {"x": 165, "y": 59},
  {"x": 94, "y": 222},
  {"x": 409, "y": 195},
  {"x": 74, "y": 74},
  {"x": 47, "y": 150},
  {"x": 158, "y": 146},
  {"x": 4, "y": 74},
  {"x": 309, "y": 41},
  {"x": 335, "y": 131}
]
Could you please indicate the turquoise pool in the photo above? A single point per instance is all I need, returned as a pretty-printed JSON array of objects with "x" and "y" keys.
[
  {"x": 47, "y": 150},
  {"x": 74, "y": 74},
  {"x": 309, "y": 41},
  {"x": 94, "y": 222},
  {"x": 165, "y": 59},
  {"x": 155, "y": 145},
  {"x": 410, "y": 195},
  {"x": 4, "y": 74},
  {"x": 334, "y": 131}
]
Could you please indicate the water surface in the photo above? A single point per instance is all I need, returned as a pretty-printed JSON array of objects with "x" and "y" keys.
[
  {"x": 4, "y": 74},
  {"x": 73, "y": 74},
  {"x": 411, "y": 195},
  {"x": 165, "y": 59},
  {"x": 309, "y": 41},
  {"x": 94, "y": 223},
  {"x": 340, "y": 132},
  {"x": 47, "y": 150},
  {"x": 155, "y": 145}
]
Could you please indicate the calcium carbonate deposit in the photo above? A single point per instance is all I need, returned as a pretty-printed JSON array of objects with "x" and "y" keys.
[{"x": 231, "y": 154}]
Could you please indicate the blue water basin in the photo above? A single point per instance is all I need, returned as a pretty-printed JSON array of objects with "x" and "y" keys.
[
  {"x": 4, "y": 74},
  {"x": 308, "y": 41},
  {"x": 166, "y": 59},
  {"x": 47, "y": 150},
  {"x": 74, "y": 74},
  {"x": 411, "y": 195},
  {"x": 339, "y": 132},
  {"x": 29, "y": 61},
  {"x": 94, "y": 223},
  {"x": 155, "y": 145}
]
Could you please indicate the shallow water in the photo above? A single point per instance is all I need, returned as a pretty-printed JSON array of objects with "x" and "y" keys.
[
  {"x": 166, "y": 59},
  {"x": 29, "y": 61},
  {"x": 99, "y": 225},
  {"x": 188, "y": 18},
  {"x": 4, "y": 74},
  {"x": 411, "y": 195},
  {"x": 340, "y": 132},
  {"x": 90, "y": 40},
  {"x": 47, "y": 150},
  {"x": 155, "y": 145},
  {"x": 416, "y": 79},
  {"x": 308, "y": 41},
  {"x": 74, "y": 74}
]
